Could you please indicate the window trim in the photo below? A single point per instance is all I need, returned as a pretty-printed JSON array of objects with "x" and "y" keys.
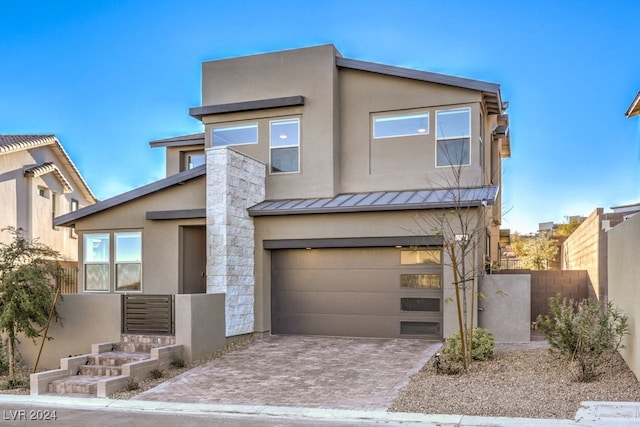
[
  {"x": 400, "y": 116},
  {"x": 455, "y": 137},
  {"x": 85, "y": 263},
  {"x": 237, "y": 126},
  {"x": 116, "y": 263},
  {"x": 272, "y": 147}
]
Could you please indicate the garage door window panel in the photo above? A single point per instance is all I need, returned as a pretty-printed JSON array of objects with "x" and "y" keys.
[
  {"x": 420, "y": 304},
  {"x": 420, "y": 328},
  {"x": 420, "y": 281},
  {"x": 421, "y": 256}
]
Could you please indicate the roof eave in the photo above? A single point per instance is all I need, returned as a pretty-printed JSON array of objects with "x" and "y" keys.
[{"x": 634, "y": 108}]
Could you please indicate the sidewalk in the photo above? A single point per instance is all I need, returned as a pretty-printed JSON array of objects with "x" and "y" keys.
[{"x": 591, "y": 414}]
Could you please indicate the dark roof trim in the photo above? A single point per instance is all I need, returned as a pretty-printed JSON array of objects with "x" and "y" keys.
[
  {"x": 634, "y": 108},
  {"x": 491, "y": 91},
  {"x": 180, "y": 178},
  {"x": 179, "y": 141},
  {"x": 177, "y": 214},
  {"x": 262, "y": 104},
  {"x": 380, "y": 201},
  {"x": 353, "y": 242}
]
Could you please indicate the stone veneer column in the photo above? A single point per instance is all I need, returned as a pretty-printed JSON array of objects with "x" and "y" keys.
[{"x": 234, "y": 183}]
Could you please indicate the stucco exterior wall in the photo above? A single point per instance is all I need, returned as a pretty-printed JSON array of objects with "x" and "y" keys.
[
  {"x": 86, "y": 320},
  {"x": 22, "y": 207},
  {"x": 624, "y": 283},
  {"x": 200, "y": 324},
  {"x": 506, "y": 307},
  {"x": 235, "y": 182},
  {"x": 160, "y": 239},
  {"x": 586, "y": 249}
]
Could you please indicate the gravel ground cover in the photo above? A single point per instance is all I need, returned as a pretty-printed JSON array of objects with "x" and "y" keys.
[{"x": 519, "y": 381}]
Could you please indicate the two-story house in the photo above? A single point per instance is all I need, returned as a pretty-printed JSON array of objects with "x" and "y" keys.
[
  {"x": 38, "y": 181},
  {"x": 309, "y": 199}
]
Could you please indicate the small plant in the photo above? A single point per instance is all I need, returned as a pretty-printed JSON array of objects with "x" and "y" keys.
[
  {"x": 132, "y": 384},
  {"x": 583, "y": 332},
  {"x": 481, "y": 346},
  {"x": 14, "y": 384},
  {"x": 156, "y": 373},
  {"x": 177, "y": 363}
]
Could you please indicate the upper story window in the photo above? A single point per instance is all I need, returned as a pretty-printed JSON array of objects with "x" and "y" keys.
[
  {"x": 453, "y": 130},
  {"x": 401, "y": 125},
  {"x": 193, "y": 159},
  {"x": 284, "y": 142},
  {"x": 235, "y": 135}
]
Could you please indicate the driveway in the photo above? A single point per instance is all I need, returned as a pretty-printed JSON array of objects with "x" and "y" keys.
[{"x": 312, "y": 372}]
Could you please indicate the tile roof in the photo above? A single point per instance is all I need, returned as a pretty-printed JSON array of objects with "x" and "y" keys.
[
  {"x": 45, "y": 168},
  {"x": 12, "y": 143},
  {"x": 380, "y": 201}
]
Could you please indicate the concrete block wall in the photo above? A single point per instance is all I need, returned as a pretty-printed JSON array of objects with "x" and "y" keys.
[
  {"x": 235, "y": 182},
  {"x": 586, "y": 249},
  {"x": 546, "y": 284}
]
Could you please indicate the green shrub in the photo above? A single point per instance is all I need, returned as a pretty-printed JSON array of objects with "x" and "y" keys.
[
  {"x": 481, "y": 349},
  {"x": 586, "y": 334},
  {"x": 156, "y": 373},
  {"x": 177, "y": 363},
  {"x": 132, "y": 384}
]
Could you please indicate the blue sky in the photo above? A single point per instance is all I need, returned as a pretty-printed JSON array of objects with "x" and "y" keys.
[{"x": 107, "y": 77}]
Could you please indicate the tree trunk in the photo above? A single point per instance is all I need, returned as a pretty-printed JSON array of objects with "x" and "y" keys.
[{"x": 11, "y": 354}]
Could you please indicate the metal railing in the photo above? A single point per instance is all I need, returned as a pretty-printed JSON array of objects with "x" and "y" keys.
[{"x": 148, "y": 314}]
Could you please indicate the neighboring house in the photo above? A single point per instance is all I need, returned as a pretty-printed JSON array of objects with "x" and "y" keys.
[
  {"x": 38, "y": 181},
  {"x": 308, "y": 198}
]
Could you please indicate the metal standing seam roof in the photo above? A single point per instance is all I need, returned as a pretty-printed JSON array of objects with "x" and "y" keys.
[
  {"x": 11, "y": 143},
  {"x": 380, "y": 201}
]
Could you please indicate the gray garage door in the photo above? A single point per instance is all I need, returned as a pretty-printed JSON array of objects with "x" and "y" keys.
[{"x": 367, "y": 292}]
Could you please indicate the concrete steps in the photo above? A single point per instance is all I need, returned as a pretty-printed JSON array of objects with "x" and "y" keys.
[{"x": 109, "y": 367}]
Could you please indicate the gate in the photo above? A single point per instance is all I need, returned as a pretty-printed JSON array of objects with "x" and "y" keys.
[{"x": 148, "y": 314}]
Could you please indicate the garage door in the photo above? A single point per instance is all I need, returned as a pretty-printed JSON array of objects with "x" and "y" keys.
[{"x": 363, "y": 292}]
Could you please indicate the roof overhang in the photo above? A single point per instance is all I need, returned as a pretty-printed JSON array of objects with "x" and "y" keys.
[
  {"x": 70, "y": 218},
  {"x": 234, "y": 107},
  {"x": 46, "y": 168},
  {"x": 380, "y": 201},
  {"x": 490, "y": 91},
  {"x": 179, "y": 141},
  {"x": 634, "y": 108}
]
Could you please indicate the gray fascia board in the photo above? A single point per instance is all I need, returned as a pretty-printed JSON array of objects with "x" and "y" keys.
[
  {"x": 261, "y": 104},
  {"x": 180, "y": 141},
  {"x": 426, "y": 76},
  {"x": 176, "y": 214},
  {"x": 353, "y": 242},
  {"x": 71, "y": 217}
]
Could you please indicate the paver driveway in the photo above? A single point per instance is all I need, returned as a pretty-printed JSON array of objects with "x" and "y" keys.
[{"x": 312, "y": 372}]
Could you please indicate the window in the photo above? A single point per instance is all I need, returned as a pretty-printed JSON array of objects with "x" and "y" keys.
[
  {"x": 54, "y": 208},
  {"x": 401, "y": 125},
  {"x": 235, "y": 135},
  {"x": 421, "y": 281},
  {"x": 453, "y": 130},
  {"x": 284, "y": 137},
  {"x": 43, "y": 192},
  {"x": 96, "y": 262},
  {"x": 128, "y": 254},
  {"x": 420, "y": 304},
  {"x": 421, "y": 256},
  {"x": 194, "y": 160},
  {"x": 74, "y": 207}
]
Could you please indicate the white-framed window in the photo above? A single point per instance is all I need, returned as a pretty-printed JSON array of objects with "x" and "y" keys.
[
  {"x": 54, "y": 208},
  {"x": 284, "y": 143},
  {"x": 118, "y": 253},
  {"x": 397, "y": 125},
  {"x": 128, "y": 261},
  {"x": 235, "y": 135},
  {"x": 43, "y": 192},
  {"x": 453, "y": 132},
  {"x": 74, "y": 206},
  {"x": 96, "y": 262}
]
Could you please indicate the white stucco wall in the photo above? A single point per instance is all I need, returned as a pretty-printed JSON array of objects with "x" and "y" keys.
[{"x": 234, "y": 183}]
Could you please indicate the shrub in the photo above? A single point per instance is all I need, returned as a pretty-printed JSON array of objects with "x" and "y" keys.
[
  {"x": 156, "y": 373},
  {"x": 586, "y": 334},
  {"x": 132, "y": 384},
  {"x": 177, "y": 363},
  {"x": 481, "y": 346}
]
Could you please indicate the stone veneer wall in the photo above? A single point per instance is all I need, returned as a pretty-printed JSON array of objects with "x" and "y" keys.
[{"x": 234, "y": 183}]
